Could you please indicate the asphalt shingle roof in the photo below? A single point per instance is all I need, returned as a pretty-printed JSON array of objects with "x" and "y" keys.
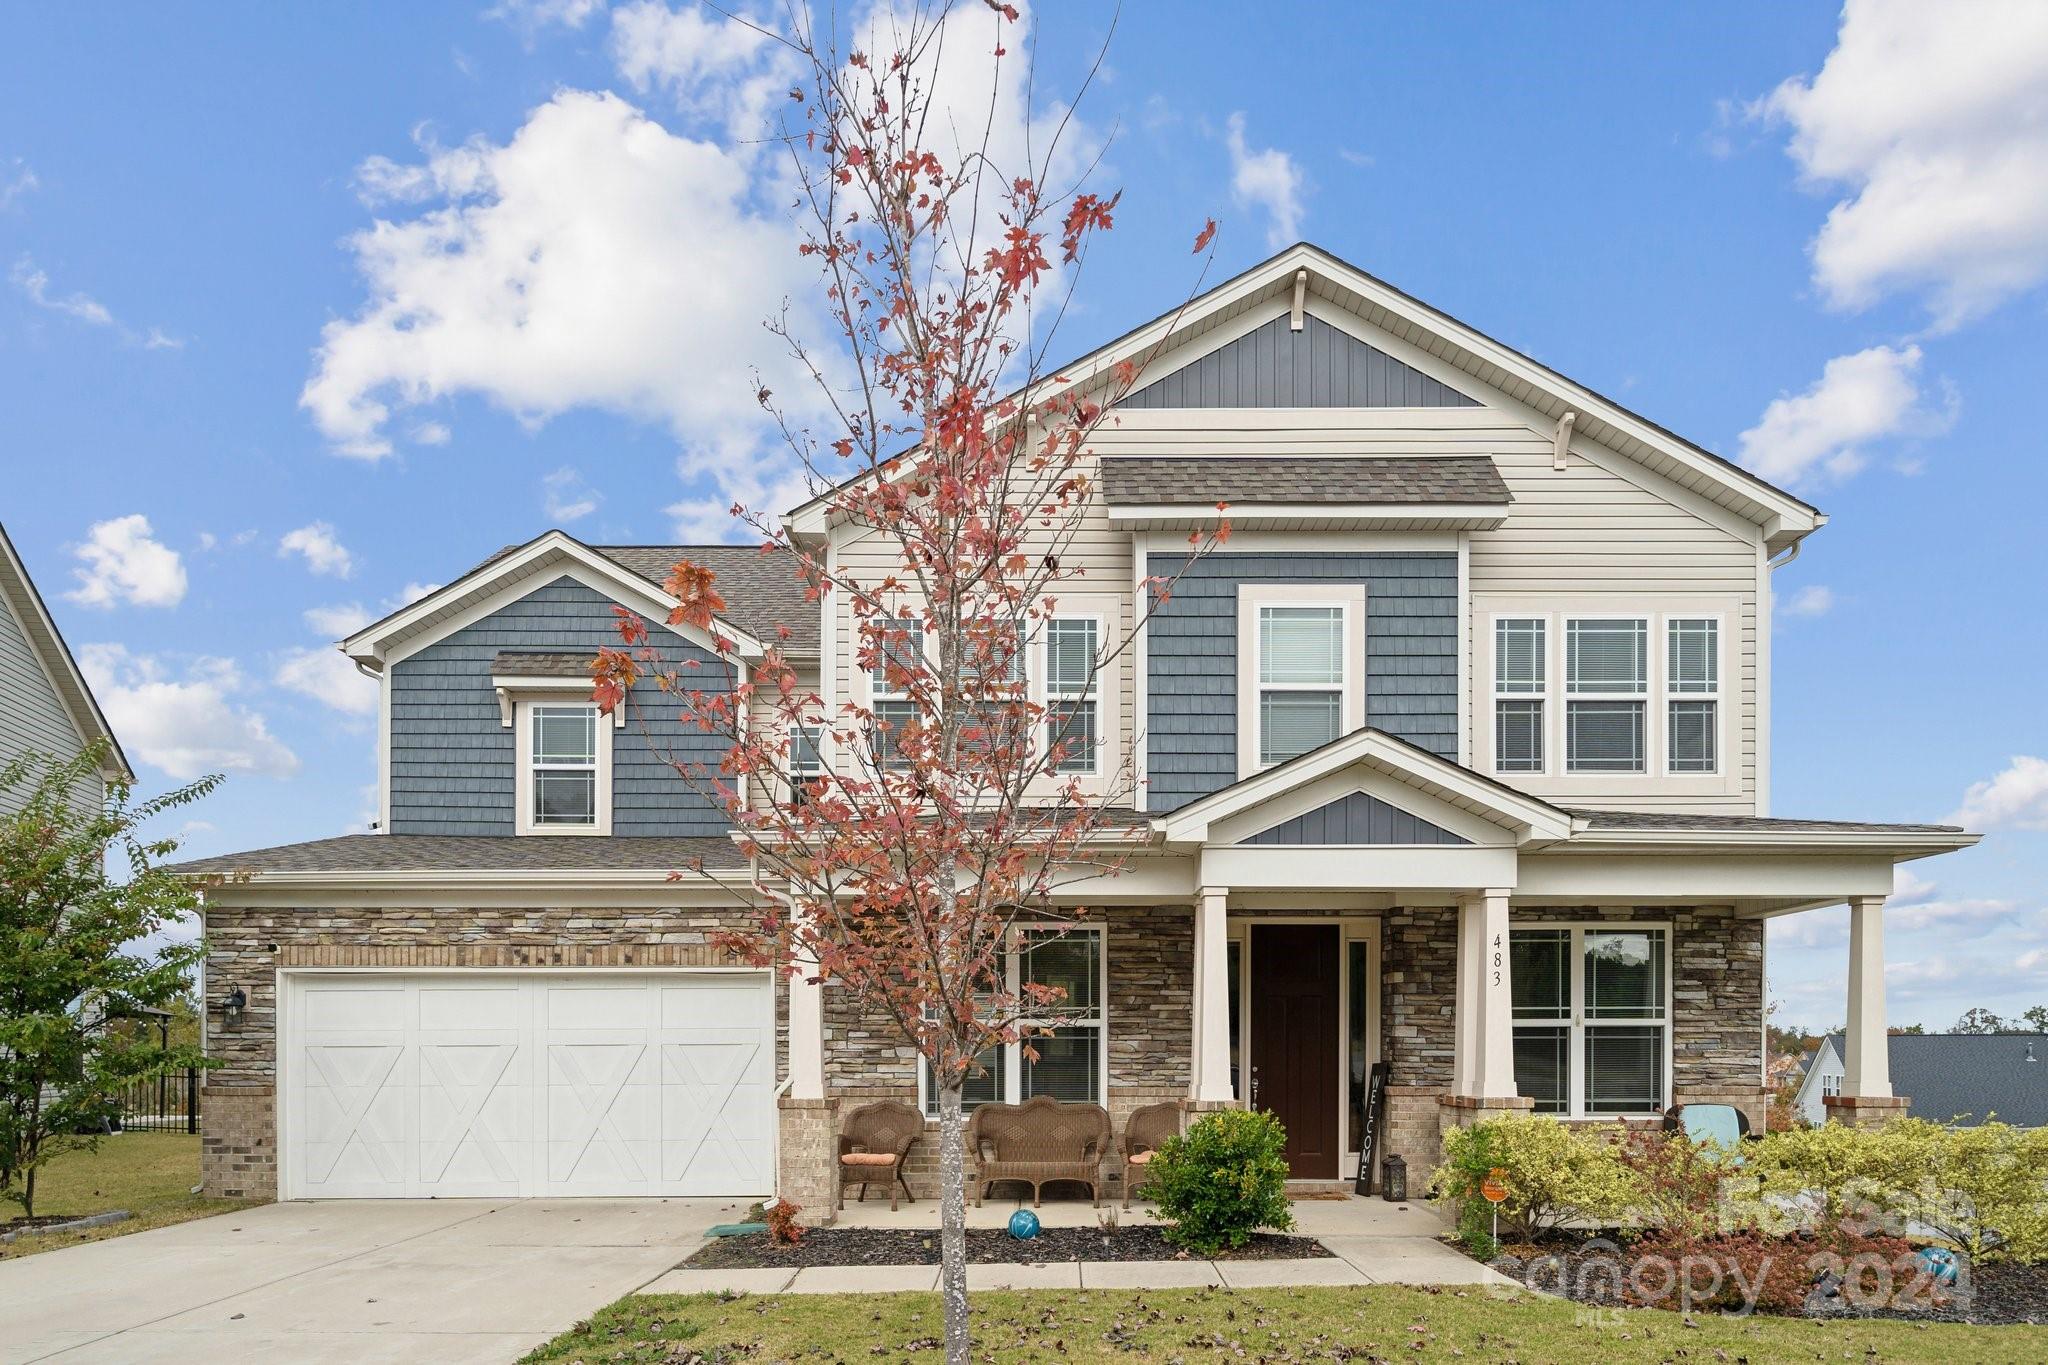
[
  {"x": 1679, "y": 821},
  {"x": 473, "y": 853},
  {"x": 1973, "y": 1075},
  {"x": 761, "y": 592},
  {"x": 542, "y": 663},
  {"x": 1315, "y": 479}
]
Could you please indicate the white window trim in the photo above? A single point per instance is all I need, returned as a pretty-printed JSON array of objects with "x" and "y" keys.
[
  {"x": 522, "y": 730},
  {"x": 1013, "y": 1059},
  {"x": 1656, "y": 778},
  {"x": 1576, "y": 1022},
  {"x": 1251, "y": 598}
]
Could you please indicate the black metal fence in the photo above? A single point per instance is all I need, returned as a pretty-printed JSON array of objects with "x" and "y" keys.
[{"x": 167, "y": 1102}]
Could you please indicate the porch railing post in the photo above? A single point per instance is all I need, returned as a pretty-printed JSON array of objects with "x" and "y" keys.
[{"x": 1210, "y": 1068}]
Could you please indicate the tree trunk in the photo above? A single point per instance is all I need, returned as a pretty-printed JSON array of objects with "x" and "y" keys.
[
  {"x": 953, "y": 1225},
  {"x": 28, "y": 1193}
]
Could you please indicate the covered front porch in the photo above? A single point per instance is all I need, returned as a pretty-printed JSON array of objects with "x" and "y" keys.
[{"x": 1377, "y": 945}]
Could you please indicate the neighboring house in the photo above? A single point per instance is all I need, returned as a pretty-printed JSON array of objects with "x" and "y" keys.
[
  {"x": 45, "y": 706},
  {"x": 1965, "y": 1078},
  {"x": 1457, "y": 757}
]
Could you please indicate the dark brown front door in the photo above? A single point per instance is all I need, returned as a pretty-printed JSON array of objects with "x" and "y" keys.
[{"x": 1294, "y": 1040}]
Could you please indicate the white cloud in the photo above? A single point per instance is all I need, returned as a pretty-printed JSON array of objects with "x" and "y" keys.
[
  {"x": 1870, "y": 396},
  {"x": 1910, "y": 888},
  {"x": 1815, "y": 599},
  {"x": 322, "y": 552},
  {"x": 717, "y": 69},
  {"x": 188, "y": 724},
  {"x": 594, "y": 260},
  {"x": 17, "y": 182},
  {"x": 156, "y": 339},
  {"x": 35, "y": 283},
  {"x": 329, "y": 676},
  {"x": 532, "y": 16},
  {"x": 2015, "y": 799},
  {"x": 337, "y": 620},
  {"x": 122, "y": 561},
  {"x": 432, "y": 434},
  {"x": 565, "y": 497},
  {"x": 1930, "y": 118},
  {"x": 1267, "y": 179}
]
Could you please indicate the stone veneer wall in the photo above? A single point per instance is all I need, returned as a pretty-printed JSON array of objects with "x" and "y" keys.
[
  {"x": 247, "y": 946},
  {"x": 1717, "y": 1003},
  {"x": 1150, "y": 1016}
]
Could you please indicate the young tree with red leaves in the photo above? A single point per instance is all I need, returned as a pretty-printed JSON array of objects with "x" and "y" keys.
[{"x": 947, "y": 814}]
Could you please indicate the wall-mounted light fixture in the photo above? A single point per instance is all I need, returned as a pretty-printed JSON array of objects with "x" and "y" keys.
[{"x": 232, "y": 1005}]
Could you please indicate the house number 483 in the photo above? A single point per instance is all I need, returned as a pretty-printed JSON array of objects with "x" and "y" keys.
[{"x": 1496, "y": 959}]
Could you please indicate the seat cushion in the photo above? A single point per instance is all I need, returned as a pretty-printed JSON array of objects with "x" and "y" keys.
[
  {"x": 1139, "y": 1158},
  {"x": 867, "y": 1159}
]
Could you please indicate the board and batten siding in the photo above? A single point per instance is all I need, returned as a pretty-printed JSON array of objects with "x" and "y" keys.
[
  {"x": 1409, "y": 654},
  {"x": 453, "y": 760},
  {"x": 33, "y": 718},
  {"x": 1585, "y": 532},
  {"x": 1274, "y": 366}
]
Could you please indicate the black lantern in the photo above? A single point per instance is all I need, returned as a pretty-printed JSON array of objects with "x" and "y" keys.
[
  {"x": 1394, "y": 1179},
  {"x": 232, "y": 1005}
]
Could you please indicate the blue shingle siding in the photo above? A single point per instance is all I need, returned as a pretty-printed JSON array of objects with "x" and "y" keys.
[
  {"x": 452, "y": 761},
  {"x": 1356, "y": 819},
  {"x": 1275, "y": 366},
  {"x": 1411, "y": 659}
]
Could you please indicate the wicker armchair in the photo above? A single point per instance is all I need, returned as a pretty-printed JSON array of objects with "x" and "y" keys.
[
  {"x": 1143, "y": 1132},
  {"x": 1038, "y": 1142},
  {"x": 872, "y": 1144}
]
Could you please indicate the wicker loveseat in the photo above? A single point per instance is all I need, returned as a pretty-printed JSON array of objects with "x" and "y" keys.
[
  {"x": 872, "y": 1144},
  {"x": 1038, "y": 1142}
]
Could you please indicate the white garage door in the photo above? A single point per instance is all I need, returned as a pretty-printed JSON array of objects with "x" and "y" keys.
[{"x": 525, "y": 1084}]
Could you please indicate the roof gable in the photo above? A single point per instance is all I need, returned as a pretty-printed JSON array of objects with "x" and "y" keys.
[
  {"x": 20, "y": 598},
  {"x": 1356, "y": 818},
  {"x": 1280, "y": 365}
]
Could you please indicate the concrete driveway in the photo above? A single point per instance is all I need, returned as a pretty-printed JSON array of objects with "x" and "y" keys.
[{"x": 361, "y": 1282}]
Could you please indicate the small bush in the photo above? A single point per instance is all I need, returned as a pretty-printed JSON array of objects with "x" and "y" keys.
[
  {"x": 1554, "y": 1174},
  {"x": 1680, "y": 1185},
  {"x": 1221, "y": 1180},
  {"x": 1747, "y": 1269},
  {"x": 783, "y": 1229}
]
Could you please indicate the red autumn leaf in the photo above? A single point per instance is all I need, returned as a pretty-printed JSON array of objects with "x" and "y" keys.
[{"x": 1205, "y": 236}]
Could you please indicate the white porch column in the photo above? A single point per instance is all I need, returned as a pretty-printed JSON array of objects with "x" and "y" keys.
[
  {"x": 1211, "y": 1043},
  {"x": 806, "y": 1032},
  {"x": 1867, "y": 1064},
  {"x": 1483, "y": 1061}
]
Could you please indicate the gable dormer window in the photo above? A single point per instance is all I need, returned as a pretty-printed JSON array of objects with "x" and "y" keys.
[{"x": 564, "y": 768}]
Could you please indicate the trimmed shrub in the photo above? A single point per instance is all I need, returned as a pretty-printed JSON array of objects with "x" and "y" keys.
[
  {"x": 1747, "y": 1269},
  {"x": 1679, "y": 1185},
  {"x": 1554, "y": 1174},
  {"x": 1222, "y": 1180}
]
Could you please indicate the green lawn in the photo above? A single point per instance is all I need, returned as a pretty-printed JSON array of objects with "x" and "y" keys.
[
  {"x": 1382, "y": 1322},
  {"x": 149, "y": 1174}
]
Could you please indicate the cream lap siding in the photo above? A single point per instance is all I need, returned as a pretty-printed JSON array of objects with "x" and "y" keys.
[
  {"x": 453, "y": 769},
  {"x": 33, "y": 718}
]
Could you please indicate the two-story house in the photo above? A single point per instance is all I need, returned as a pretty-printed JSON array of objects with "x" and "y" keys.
[
  {"x": 45, "y": 705},
  {"x": 1456, "y": 757}
]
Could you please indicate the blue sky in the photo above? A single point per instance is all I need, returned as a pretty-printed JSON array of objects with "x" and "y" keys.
[{"x": 262, "y": 376}]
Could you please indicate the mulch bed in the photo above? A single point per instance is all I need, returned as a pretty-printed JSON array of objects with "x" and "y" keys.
[
  {"x": 985, "y": 1246},
  {"x": 1998, "y": 1294}
]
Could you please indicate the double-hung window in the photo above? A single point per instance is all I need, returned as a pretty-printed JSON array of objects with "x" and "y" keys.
[
  {"x": 1301, "y": 666},
  {"x": 899, "y": 651},
  {"x": 1591, "y": 1018},
  {"x": 1073, "y": 703},
  {"x": 1069, "y": 1036},
  {"x": 806, "y": 760},
  {"x": 1692, "y": 655},
  {"x": 1520, "y": 668},
  {"x": 1607, "y": 694},
  {"x": 563, "y": 750}
]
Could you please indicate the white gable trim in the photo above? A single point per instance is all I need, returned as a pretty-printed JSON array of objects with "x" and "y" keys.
[
  {"x": 505, "y": 580},
  {"x": 1525, "y": 818},
  {"x": 20, "y": 599}
]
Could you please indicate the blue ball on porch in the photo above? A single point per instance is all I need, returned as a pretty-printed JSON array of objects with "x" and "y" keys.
[
  {"x": 1023, "y": 1225},
  {"x": 1937, "y": 1263}
]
